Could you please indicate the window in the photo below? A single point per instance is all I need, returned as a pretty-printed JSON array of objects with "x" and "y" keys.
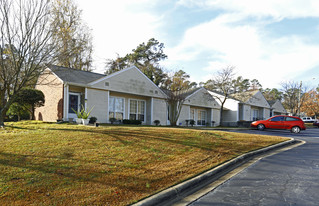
[
  {"x": 255, "y": 114},
  {"x": 291, "y": 119},
  {"x": 201, "y": 120},
  {"x": 137, "y": 110},
  {"x": 276, "y": 119},
  {"x": 192, "y": 116},
  {"x": 116, "y": 108}
]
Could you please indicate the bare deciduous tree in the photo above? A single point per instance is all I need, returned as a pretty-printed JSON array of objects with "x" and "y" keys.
[
  {"x": 223, "y": 85},
  {"x": 26, "y": 46},
  {"x": 293, "y": 96}
]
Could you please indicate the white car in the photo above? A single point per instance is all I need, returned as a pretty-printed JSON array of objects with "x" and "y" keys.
[{"x": 308, "y": 120}]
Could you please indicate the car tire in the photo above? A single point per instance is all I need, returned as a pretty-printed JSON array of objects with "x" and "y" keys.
[
  {"x": 295, "y": 129},
  {"x": 261, "y": 127}
]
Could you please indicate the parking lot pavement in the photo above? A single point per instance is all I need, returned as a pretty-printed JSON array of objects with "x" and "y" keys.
[{"x": 286, "y": 178}]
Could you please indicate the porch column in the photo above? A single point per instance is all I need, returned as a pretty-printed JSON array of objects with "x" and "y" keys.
[
  {"x": 238, "y": 112},
  {"x": 212, "y": 117},
  {"x": 85, "y": 98},
  {"x": 108, "y": 106},
  {"x": 66, "y": 103},
  {"x": 152, "y": 100}
]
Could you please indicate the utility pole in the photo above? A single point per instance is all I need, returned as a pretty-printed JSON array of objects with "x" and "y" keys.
[{"x": 299, "y": 99}]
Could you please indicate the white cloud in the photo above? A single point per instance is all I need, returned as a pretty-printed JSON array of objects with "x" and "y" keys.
[
  {"x": 274, "y": 8},
  {"x": 255, "y": 56},
  {"x": 117, "y": 27}
]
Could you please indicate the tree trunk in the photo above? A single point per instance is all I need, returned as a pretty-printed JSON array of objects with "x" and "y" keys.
[
  {"x": 221, "y": 115},
  {"x": 2, "y": 119},
  {"x": 32, "y": 113},
  {"x": 221, "y": 119}
]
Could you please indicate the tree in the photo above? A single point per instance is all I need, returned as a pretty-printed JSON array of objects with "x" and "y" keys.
[
  {"x": 311, "y": 103},
  {"x": 223, "y": 84},
  {"x": 293, "y": 96},
  {"x": 146, "y": 57},
  {"x": 18, "y": 111},
  {"x": 177, "y": 86},
  {"x": 240, "y": 84},
  {"x": 74, "y": 47},
  {"x": 30, "y": 99},
  {"x": 116, "y": 65},
  {"x": 254, "y": 84},
  {"x": 26, "y": 46},
  {"x": 272, "y": 94}
]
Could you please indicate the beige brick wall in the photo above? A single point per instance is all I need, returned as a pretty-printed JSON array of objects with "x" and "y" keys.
[{"x": 52, "y": 89}]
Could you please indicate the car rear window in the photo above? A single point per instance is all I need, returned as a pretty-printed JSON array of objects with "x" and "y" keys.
[{"x": 291, "y": 119}]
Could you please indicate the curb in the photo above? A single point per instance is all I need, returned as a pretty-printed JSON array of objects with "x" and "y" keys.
[{"x": 179, "y": 191}]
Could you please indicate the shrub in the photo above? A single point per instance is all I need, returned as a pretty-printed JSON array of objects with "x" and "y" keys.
[
  {"x": 192, "y": 122},
  {"x": 83, "y": 114},
  {"x": 92, "y": 120},
  {"x": 135, "y": 122},
  {"x": 157, "y": 122},
  {"x": 112, "y": 120}
]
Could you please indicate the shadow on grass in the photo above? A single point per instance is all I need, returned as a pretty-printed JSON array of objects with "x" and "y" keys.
[
  {"x": 121, "y": 136},
  {"x": 60, "y": 170}
]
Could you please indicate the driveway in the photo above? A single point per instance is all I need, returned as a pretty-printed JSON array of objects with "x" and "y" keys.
[{"x": 287, "y": 178}]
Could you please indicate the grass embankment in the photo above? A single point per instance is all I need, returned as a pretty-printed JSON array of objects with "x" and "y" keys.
[{"x": 60, "y": 164}]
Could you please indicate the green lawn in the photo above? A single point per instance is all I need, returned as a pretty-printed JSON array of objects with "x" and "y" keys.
[{"x": 64, "y": 164}]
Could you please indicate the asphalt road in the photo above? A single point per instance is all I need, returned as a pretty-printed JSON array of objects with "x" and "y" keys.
[{"x": 287, "y": 178}]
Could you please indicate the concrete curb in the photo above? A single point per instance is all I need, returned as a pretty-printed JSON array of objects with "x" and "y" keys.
[{"x": 177, "y": 192}]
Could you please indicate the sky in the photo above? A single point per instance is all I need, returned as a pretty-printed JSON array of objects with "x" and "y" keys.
[{"x": 273, "y": 41}]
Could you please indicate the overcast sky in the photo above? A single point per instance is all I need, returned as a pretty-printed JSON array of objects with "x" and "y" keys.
[{"x": 269, "y": 40}]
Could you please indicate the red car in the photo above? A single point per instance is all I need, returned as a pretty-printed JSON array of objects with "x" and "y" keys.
[{"x": 295, "y": 124}]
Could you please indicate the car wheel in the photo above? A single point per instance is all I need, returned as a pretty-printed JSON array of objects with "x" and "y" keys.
[
  {"x": 260, "y": 127},
  {"x": 295, "y": 129}
]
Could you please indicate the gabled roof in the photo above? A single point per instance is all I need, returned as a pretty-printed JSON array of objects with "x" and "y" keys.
[
  {"x": 272, "y": 102},
  {"x": 185, "y": 93},
  {"x": 244, "y": 96},
  {"x": 71, "y": 75}
]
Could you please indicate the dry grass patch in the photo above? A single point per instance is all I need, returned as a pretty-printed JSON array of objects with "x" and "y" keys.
[{"x": 60, "y": 164}]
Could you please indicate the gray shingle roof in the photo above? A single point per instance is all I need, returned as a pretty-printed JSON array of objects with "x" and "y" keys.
[{"x": 74, "y": 75}]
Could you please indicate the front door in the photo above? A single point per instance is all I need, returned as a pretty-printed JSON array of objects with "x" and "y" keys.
[{"x": 74, "y": 104}]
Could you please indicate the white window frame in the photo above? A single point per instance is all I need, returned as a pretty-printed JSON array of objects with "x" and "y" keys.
[
  {"x": 199, "y": 117},
  {"x": 129, "y": 108},
  {"x": 190, "y": 114},
  {"x": 73, "y": 115},
  {"x": 116, "y": 97}
]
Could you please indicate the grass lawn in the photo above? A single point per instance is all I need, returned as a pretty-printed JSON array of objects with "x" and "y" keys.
[{"x": 63, "y": 164}]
